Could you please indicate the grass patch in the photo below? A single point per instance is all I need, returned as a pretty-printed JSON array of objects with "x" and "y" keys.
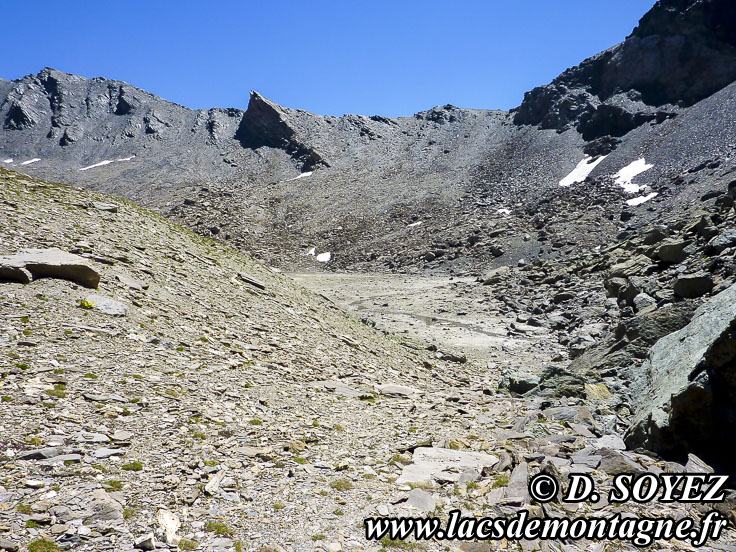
[
  {"x": 59, "y": 391},
  {"x": 424, "y": 485},
  {"x": 400, "y": 544},
  {"x": 218, "y": 528},
  {"x": 133, "y": 466},
  {"x": 255, "y": 421},
  {"x": 399, "y": 459},
  {"x": 113, "y": 484},
  {"x": 186, "y": 544},
  {"x": 501, "y": 481},
  {"x": 341, "y": 484},
  {"x": 42, "y": 545},
  {"x": 24, "y": 509}
]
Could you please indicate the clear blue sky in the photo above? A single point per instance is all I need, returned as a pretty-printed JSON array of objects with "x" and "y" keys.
[{"x": 392, "y": 57}]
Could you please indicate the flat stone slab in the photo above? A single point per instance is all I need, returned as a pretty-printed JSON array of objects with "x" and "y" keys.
[
  {"x": 132, "y": 283},
  {"x": 391, "y": 390},
  {"x": 63, "y": 458},
  {"x": 48, "y": 263},
  {"x": 122, "y": 435},
  {"x": 87, "y": 437},
  {"x": 109, "y": 207},
  {"x": 39, "y": 454},
  {"x": 518, "y": 486},
  {"x": 337, "y": 387},
  {"x": 106, "y": 452},
  {"x": 609, "y": 441},
  {"x": 103, "y": 398},
  {"x": 106, "y": 305},
  {"x": 447, "y": 464},
  {"x": 421, "y": 500},
  {"x": 252, "y": 281}
]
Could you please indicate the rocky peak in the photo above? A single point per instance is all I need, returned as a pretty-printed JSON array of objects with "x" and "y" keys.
[
  {"x": 265, "y": 123},
  {"x": 681, "y": 52}
]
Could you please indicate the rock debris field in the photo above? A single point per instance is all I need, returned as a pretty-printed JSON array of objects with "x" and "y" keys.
[{"x": 198, "y": 400}]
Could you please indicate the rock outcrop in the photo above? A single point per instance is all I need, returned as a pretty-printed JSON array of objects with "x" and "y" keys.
[{"x": 685, "y": 395}]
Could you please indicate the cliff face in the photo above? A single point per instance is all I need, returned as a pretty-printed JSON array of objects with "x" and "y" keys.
[{"x": 682, "y": 52}]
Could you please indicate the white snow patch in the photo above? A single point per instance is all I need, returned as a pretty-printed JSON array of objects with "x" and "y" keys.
[
  {"x": 8, "y": 160},
  {"x": 414, "y": 224},
  {"x": 641, "y": 199},
  {"x": 627, "y": 174},
  {"x": 312, "y": 251},
  {"x": 324, "y": 257},
  {"x": 503, "y": 211},
  {"x": 107, "y": 162},
  {"x": 303, "y": 175},
  {"x": 35, "y": 159},
  {"x": 581, "y": 172},
  {"x": 100, "y": 164}
]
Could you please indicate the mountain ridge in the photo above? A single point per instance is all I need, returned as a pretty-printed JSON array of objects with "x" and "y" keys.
[{"x": 388, "y": 193}]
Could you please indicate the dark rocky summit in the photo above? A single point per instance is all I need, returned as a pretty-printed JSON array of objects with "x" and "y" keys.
[{"x": 681, "y": 52}]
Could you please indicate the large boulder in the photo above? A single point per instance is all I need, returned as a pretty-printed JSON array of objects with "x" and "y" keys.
[
  {"x": 693, "y": 285},
  {"x": 519, "y": 380},
  {"x": 722, "y": 241},
  {"x": 48, "y": 263},
  {"x": 497, "y": 275},
  {"x": 672, "y": 251},
  {"x": 684, "y": 397}
]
